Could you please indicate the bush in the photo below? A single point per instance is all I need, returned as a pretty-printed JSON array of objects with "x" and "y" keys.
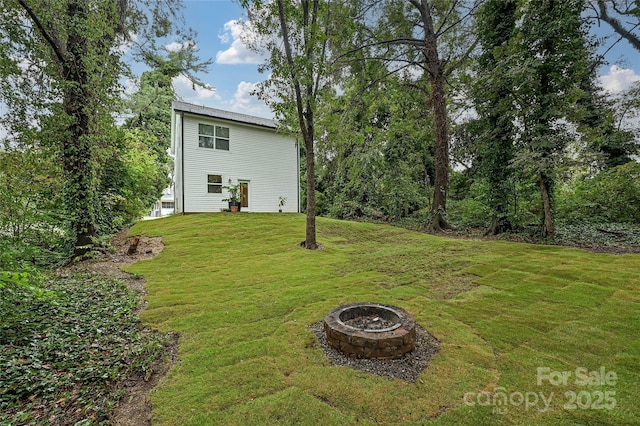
[
  {"x": 469, "y": 212},
  {"x": 610, "y": 196},
  {"x": 32, "y": 224}
]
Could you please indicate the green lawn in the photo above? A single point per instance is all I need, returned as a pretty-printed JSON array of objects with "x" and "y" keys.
[{"x": 241, "y": 294}]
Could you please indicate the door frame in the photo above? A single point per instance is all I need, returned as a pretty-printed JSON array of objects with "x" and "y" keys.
[{"x": 246, "y": 183}]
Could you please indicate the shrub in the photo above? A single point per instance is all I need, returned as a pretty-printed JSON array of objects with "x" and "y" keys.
[{"x": 610, "y": 196}]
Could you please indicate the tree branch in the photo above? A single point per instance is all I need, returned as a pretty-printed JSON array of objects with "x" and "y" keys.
[
  {"x": 440, "y": 31},
  {"x": 53, "y": 41},
  {"x": 444, "y": 21},
  {"x": 290, "y": 62},
  {"x": 397, "y": 41},
  {"x": 617, "y": 25}
]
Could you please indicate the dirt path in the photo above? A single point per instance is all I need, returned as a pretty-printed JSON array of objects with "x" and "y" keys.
[{"x": 134, "y": 408}]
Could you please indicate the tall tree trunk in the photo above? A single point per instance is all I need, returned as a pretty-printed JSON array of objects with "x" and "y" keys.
[
  {"x": 546, "y": 92},
  {"x": 493, "y": 99},
  {"x": 305, "y": 120},
  {"x": 310, "y": 235},
  {"x": 78, "y": 159},
  {"x": 79, "y": 186},
  {"x": 438, "y": 100},
  {"x": 547, "y": 228},
  {"x": 441, "y": 182}
]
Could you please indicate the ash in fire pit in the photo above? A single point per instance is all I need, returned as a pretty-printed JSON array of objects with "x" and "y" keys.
[
  {"x": 370, "y": 330},
  {"x": 369, "y": 322}
]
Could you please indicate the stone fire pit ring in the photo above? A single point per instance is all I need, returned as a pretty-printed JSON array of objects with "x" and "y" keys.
[{"x": 392, "y": 337}]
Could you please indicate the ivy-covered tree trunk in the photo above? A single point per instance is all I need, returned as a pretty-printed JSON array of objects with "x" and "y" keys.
[
  {"x": 79, "y": 187},
  {"x": 545, "y": 191},
  {"x": 436, "y": 72},
  {"x": 78, "y": 158},
  {"x": 81, "y": 51},
  {"x": 494, "y": 104},
  {"x": 441, "y": 127},
  {"x": 62, "y": 59},
  {"x": 551, "y": 60}
]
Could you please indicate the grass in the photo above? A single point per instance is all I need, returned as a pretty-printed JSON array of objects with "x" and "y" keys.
[{"x": 242, "y": 295}]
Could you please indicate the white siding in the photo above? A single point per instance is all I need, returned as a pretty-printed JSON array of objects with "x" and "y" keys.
[{"x": 258, "y": 155}]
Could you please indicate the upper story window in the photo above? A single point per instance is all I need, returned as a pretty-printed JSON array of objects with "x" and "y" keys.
[{"x": 210, "y": 136}]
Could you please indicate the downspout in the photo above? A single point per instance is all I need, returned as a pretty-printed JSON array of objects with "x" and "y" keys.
[{"x": 182, "y": 159}]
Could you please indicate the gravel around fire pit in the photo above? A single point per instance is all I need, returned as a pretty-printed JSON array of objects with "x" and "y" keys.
[{"x": 407, "y": 368}]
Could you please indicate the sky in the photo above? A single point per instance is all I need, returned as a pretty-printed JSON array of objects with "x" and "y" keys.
[{"x": 234, "y": 72}]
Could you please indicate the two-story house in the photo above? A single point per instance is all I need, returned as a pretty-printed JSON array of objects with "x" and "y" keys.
[{"x": 215, "y": 148}]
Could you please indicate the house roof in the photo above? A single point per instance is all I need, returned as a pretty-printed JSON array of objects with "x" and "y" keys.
[{"x": 223, "y": 115}]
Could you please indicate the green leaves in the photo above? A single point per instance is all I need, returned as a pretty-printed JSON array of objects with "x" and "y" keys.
[
  {"x": 63, "y": 353},
  {"x": 61, "y": 65},
  {"x": 610, "y": 196}
]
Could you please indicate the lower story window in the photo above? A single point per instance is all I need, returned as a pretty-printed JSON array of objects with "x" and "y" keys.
[
  {"x": 214, "y": 184},
  {"x": 168, "y": 205}
]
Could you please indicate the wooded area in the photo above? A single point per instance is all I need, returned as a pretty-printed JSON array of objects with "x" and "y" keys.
[
  {"x": 499, "y": 99},
  {"x": 434, "y": 115},
  {"x": 477, "y": 113}
]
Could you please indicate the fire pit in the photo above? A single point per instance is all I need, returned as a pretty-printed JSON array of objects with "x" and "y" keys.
[{"x": 370, "y": 330}]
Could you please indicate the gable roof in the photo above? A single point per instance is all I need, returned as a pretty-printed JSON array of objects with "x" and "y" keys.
[{"x": 223, "y": 115}]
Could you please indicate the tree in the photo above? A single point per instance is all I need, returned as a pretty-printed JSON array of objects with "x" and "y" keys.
[
  {"x": 606, "y": 142},
  {"x": 375, "y": 156},
  {"x": 80, "y": 39},
  {"x": 549, "y": 60},
  {"x": 132, "y": 181},
  {"x": 68, "y": 52},
  {"x": 30, "y": 189},
  {"x": 494, "y": 105},
  {"x": 149, "y": 108},
  {"x": 433, "y": 36},
  {"x": 298, "y": 35}
]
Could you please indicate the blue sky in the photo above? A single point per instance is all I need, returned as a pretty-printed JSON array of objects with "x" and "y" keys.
[{"x": 234, "y": 71}]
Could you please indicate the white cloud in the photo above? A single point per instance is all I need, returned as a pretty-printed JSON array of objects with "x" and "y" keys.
[
  {"x": 618, "y": 79},
  {"x": 246, "y": 103},
  {"x": 130, "y": 86},
  {"x": 125, "y": 45},
  {"x": 185, "y": 90},
  {"x": 236, "y": 31},
  {"x": 176, "y": 47}
]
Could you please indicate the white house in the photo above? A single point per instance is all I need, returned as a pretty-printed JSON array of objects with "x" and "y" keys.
[
  {"x": 165, "y": 206},
  {"x": 215, "y": 148}
]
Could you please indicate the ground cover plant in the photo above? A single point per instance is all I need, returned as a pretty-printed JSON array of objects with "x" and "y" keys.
[
  {"x": 66, "y": 346},
  {"x": 529, "y": 334}
]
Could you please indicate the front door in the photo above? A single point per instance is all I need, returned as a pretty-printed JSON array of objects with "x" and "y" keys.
[{"x": 244, "y": 194}]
